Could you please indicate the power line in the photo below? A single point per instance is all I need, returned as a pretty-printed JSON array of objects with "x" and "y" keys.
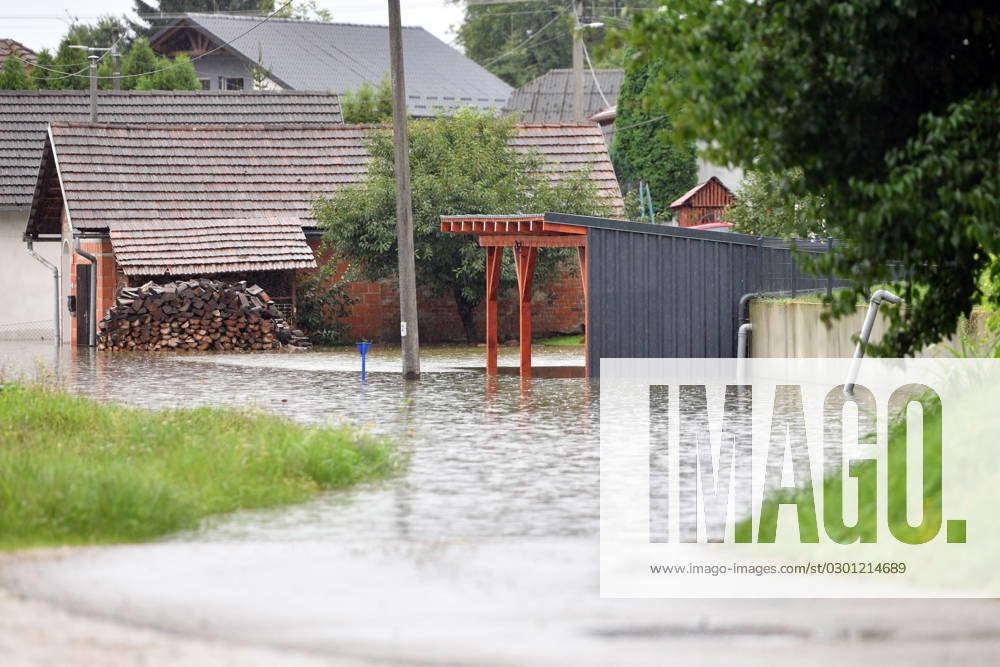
[
  {"x": 586, "y": 53},
  {"x": 168, "y": 67},
  {"x": 642, "y": 122},
  {"x": 522, "y": 44}
]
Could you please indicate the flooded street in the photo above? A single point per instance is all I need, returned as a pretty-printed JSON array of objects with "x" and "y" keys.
[{"x": 483, "y": 551}]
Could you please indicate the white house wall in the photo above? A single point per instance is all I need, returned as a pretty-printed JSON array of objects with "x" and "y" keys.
[{"x": 26, "y": 284}]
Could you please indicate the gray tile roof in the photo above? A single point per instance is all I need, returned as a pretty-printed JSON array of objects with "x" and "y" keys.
[
  {"x": 549, "y": 98},
  {"x": 311, "y": 55},
  {"x": 116, "y": 174},
  {"x": 24, "y": 115}
]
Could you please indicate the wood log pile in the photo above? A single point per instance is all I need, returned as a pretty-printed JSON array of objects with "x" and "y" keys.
[{"x": 199, "y": 314}]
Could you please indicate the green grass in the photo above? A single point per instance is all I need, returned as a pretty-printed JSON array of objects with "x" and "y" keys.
[
  {"x": 575, "y": 339},
  {"x": 75, "y": 471}
]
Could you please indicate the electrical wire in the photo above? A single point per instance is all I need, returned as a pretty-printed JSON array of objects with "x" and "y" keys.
[
  {"x": 642, "y": 122},
  {"x": 525, "y": 42},
  {"x": 66, "y": 75},
  {"x": 173, "y": 65}
]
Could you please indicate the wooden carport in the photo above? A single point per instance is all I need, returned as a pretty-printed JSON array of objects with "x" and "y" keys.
[{"x": 524, "y": 234}]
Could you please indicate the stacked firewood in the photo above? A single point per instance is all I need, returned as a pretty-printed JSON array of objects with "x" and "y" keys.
[{"x": 199, "y": 314}]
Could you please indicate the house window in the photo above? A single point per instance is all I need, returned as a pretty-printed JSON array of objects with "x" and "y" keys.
[
  {"x": 234, "y": 83},
  {"x": 206, "y": 84}
]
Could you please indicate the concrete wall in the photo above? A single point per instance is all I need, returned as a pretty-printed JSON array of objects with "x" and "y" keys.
[
  {"x": 788, "y": 328},
  {"x": 27, "y": 286}
]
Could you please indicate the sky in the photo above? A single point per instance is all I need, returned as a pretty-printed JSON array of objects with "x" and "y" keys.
[{"x": 41, "y": 23}]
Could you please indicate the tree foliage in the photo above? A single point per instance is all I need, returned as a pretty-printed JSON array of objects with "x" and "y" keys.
[
  {"x": 72, "y": 69},
  {"x": 890, "y": 108},
  {"x": 643, "y": 147},
  {"x": 151, "y": 24},
  {"x": 13, "y": 76},
  {"x": 766, "y": 207},
  {"x": 520, "y": 41},
  {"x": 303, "y": 10},
  {"x": 459, "y": 164},
  {"x": 368, "y": 104}
]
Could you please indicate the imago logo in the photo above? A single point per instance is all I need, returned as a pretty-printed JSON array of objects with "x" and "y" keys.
[{"x": 713, "y": 463}]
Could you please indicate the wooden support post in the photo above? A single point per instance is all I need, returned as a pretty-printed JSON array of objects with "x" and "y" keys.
[
  {"x": 494, "y": 261},
  {"x": 524, "y": 261}
]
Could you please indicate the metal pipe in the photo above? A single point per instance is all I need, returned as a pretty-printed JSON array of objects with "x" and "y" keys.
[
  {"x": 866, "y": 331},
  {"x": 92, "y": 333},
  {"x": 55, "y": 276},
  {"x": 743, "y": 340}
]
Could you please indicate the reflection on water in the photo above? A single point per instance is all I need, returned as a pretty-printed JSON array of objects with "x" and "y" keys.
[{"x": 487, "y": 457}]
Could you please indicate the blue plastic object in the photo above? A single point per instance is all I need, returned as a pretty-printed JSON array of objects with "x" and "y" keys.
[{"x": 363, "y": 347}]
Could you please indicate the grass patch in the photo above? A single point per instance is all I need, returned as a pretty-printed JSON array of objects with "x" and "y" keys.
[
  {"x": 574, "y": 339},
  {"x": 75, "y": 471}
]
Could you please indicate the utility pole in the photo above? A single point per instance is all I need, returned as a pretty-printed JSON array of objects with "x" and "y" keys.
[
  {"x": 93, "y": 86},
  {"x": 408, "y": 331},
  {"x": 116, "y": 82},
  {"x": 578, "y": 111},
  {"x": 92, "y": 55}
]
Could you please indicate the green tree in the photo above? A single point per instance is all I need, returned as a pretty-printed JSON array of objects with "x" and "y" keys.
[
  {"x": 767, "y": 206},
  {"x": 150, "y": 23},
  {"x": 303, "y": 10},
  {"x": 643, "y": 147},
  {"x": 71, "y": 65},
  {"x": 176, "y": 75},
  {"x": 459, "y": 164},
  {"x": 13, "y": 76},
  {"x": 521, "y": 41},
  {"x": 368, "y": 104},
  {"x": 142, "y": 69},
  {"x": 890, "y": 108}
]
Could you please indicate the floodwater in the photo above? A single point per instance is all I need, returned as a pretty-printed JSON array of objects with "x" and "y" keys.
[
  {"x": 485, "y": 458},
  {"x": 483, "y": 551}
]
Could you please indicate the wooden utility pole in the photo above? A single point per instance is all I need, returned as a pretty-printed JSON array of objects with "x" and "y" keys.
[
  {"x": 408, "y": 330},
  {"x": 578, "y": 110}
]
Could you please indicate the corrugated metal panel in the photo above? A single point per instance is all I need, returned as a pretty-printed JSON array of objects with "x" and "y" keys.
[
  {"x": 549, "y": 98},
  {"x": 657, "y": 291}
]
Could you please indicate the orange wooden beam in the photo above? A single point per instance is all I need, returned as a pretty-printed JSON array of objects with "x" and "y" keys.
[
  {"x": 564, "y": 229},
  {"x": 510, "y": 240},
  {"x": 494, "y": 262},
  {"x": 524, "y": 261}
]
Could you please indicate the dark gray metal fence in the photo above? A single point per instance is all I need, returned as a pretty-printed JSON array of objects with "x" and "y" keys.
[{"x": 659, "y": 291}]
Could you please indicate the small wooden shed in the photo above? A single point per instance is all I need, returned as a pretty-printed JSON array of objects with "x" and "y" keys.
[{"x": 703, "y": 203}]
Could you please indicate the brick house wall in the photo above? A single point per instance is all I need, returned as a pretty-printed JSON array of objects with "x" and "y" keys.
[{"x": 558, "y": 307}]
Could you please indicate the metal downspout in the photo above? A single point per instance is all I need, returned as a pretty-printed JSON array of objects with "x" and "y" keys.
[
  {"x": 866, "y": 331},
  {"x": 55, "y": 276},
  {"x": 92, "y": 333}
]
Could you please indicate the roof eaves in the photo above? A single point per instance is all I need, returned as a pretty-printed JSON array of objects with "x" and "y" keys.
[{"x": 235, "y": 50}]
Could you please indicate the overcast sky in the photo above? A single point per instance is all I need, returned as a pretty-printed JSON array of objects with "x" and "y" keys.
[{"x": 41, "y": 23}]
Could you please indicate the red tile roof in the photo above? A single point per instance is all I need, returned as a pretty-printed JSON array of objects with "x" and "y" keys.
[
  {"x": 26, "y": 114},
  {"x": 115, "y": 173},
  {"x": 200, "y": 247},
  {"x": 10, "y": 47}
]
